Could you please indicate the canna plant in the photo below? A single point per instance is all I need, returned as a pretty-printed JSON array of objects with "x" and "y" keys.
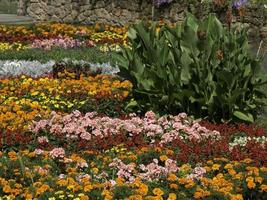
[{"x": 198, "y": 67}]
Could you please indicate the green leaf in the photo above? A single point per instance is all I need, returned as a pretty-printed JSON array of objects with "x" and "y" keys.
[
  {"x": 131, "y": 104},
  {"x": 243, "y": 116}
]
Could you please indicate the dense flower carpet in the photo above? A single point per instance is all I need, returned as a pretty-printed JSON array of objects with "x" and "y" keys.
[{"x": 65, "y": 133}]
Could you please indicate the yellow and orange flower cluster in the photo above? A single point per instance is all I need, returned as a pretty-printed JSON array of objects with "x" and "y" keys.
[{"x": 23, "y": 99}]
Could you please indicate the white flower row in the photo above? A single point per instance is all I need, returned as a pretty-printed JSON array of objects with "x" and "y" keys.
[
  {"x": 243, "y": 140},
  {"x": 13, "y": 68},
  {"x": 34, "y": 69}
]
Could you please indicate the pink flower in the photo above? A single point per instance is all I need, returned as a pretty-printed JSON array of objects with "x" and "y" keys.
[
  {"x": 150, "y": 115},
  {"x": 57, "y": 153},
  {"x": 42, "y": 140},
  {"x": 38, "y": 151},
  {"x": 86, "y": 136}
]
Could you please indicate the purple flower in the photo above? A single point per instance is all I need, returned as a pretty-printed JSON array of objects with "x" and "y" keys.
[
  {"x": 239, "y": 3},
  {"x": 159, "y": 3}
]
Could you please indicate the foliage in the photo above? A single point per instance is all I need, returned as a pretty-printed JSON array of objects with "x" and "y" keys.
[
  {"x": 198, "y": 67},
  {"x": 92, "y": 54}
]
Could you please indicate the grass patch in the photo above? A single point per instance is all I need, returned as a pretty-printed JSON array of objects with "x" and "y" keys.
[
  {"x": 87, "y": 54},
  {"x": 8, "y": 7}
]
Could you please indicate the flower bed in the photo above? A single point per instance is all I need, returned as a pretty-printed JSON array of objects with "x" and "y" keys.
[
  {"x": 23, "y": 98},
  {"x": 122, "y": 174},
  {"x": 71, "y": 128},
  {"x": 48, "y": 34}
]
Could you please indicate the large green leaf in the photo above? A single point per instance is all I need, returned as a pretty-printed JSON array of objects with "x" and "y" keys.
[{"x": 244, "y": 116}]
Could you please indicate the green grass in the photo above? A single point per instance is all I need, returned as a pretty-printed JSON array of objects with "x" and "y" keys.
[
  {"x": 8, "y": 7},
  {"x": 88, "y": 54}
]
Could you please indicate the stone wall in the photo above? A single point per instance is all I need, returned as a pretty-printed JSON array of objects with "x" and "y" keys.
[{"x": 120, "y": 12}]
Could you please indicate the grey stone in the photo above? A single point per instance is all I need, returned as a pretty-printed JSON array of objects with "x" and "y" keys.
[{"x": 128, "y": 11}]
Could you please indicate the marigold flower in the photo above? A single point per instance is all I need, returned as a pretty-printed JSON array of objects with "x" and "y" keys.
[
  {"x": 172, "y": 177},
  {"x": 216, "y": 167},
  {"x": 135, "y": 197},
  {"x": 174, "y": 186},
  {"x": 251, "y": 184},
  {"x": 263, "y": 188},
  {"x": 158, "y": 192},
  {"x": 163, "y": 158},
  {"x": 172, "y": 196},
  {"x": 237, "y": 197}
]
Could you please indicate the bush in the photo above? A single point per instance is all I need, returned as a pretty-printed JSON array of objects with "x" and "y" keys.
[{"x": 198, "y": 67}]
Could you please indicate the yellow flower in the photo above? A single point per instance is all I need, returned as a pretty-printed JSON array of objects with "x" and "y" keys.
[
  {"x": 135, "y": 197},
  {"x": 200, "y": 193},
  {"x": 142, "y": 190},
  {"x": 258, "y": 179},
  {"x": 85, "y": 197},
  {"x": 163, "y": 158},
  {"x": 228, "y": 166},
  {"x": 190, "y": 185},
  {"x": 249, "y": 178},
  {"x": 247, "y": 161},
  {"x": 237, "y": 197},
  {"x": 172, "y": 196},
  {"x": 95, "y": 170},
  {"x": 120, "y": 181},
  {"x": 88, "y": 188},
  {"x": 263, "y": 169},
  {"x": 216, "y": 167},
  {"x": 263, "y": 188},
  {"x": 158, "y": 192}
]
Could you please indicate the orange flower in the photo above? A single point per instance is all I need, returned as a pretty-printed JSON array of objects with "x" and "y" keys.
[
  {"x": 142, "y": 190},
  {"x": 251, "y": 184},
  {"x": 174, "y": 186},
  {"x": 12, "y": 155},
  {"x": 158, "y": 192},
  {"x": 172, "y": 177}
]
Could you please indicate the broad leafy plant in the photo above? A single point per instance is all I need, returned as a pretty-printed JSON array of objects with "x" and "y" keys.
[{"x": 198, "y": 67}]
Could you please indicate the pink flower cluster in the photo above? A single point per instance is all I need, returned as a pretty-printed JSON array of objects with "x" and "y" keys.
[
  {"x": 48, "y": 44},
  {"x": 57, "y": 153},
  {"x": 125, "y": 171},
  {"x": 154, "y": 171},
  {"x": 149, "y": 172},
  {"x": 198, "y": 173},
  {"x": 89, "y": 126}
]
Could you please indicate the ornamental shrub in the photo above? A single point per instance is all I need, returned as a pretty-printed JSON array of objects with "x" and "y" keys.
[{"x": 198, "y": 67}]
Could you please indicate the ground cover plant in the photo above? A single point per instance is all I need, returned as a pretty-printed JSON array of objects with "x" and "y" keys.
[{"x": 75, "y": 118}]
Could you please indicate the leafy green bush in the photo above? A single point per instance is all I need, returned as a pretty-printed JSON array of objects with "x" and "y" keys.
[{"x": 198, "y": 67}]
